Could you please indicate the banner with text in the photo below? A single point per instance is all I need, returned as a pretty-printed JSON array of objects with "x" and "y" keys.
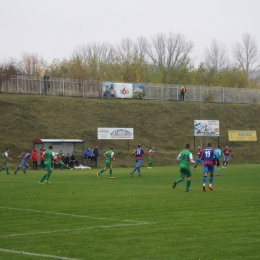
[
  {"x": 206, "y": 127},
  {"x": 115, "y": 133},
  {"x": 242, "y": 135},
  {"x": 117, "y": 90}
]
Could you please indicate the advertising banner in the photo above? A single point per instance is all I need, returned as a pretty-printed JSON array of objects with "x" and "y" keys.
[
  {"x": 206, "y": 127},
  {"x": 117, "y": 90},
  {"x": 105, "y": 133},
  {"x": 242, "y": 135}
]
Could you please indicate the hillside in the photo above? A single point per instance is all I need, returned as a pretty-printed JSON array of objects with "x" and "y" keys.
[{"x": 167, "y": 125}]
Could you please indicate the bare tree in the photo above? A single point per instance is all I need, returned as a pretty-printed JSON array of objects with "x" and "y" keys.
[
  {"x": 216, "y": 57},
  {"x": 246, "y": 54},
  {"x": 171, "y": 51},
  {"x": 31, "y": 65}
]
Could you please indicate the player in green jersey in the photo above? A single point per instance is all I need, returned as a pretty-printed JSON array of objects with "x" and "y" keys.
[
  {"x": 49, "y": 156},
  {"x": 109, "y": 158},
  {"x": 185, "y": 157},
  {"x": 62, "y": 165},
  {"x": 5, "y": 159},
  {"x": 151, "y": 158}
]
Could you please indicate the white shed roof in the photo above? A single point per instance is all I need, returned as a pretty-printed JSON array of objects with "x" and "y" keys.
[{"x": 41, "y": 141}]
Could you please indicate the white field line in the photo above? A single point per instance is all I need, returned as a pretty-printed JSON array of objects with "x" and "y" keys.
[
  {"x": 75, "y": 215},
  {"x": 75, "y": 229},
  {"x": 34, "y": 254}
]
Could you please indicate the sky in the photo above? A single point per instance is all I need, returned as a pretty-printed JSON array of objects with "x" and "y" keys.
[{"x": 53, "y": 29}]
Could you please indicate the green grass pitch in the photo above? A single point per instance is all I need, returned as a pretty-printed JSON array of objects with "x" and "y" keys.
[{"x": 79, "y": 216}]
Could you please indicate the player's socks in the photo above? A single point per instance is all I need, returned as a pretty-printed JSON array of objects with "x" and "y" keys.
[
  {"x": 48, "y": 176},
  {"x": 134, "y": 170},
  {"x": 139, "y": 173},
  {"x": 7, "y": 171},
  {"x": 16, "y": 170},
  {"x": 188, "y": 184},
  {"x": 211, "y": 180},
  {"x": 110, "y": 173},
  {"x": 226, "y": 164},
  {"x": 195, "y": 166},
  {"x": 101, "y": 172},
  {"x": 204, "y": 180},
  {"x": 43, "y": 177},
  {"x": 179, "y": 180},
  {"x": 25, "y": 169}
]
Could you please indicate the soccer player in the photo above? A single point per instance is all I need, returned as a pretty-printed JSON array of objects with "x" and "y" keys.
[
  {"x": 109, "y": 158},
  {"x": 138, "y": 153},
  {"x": 60, "y": 157},
  {"x": 226, "y": 156},
  {"x": 5, "y": 159},
  {"x": 217, "y": 157},
  {"x": 151, "y": 158},
  {"x": 185, "y": 157},
  {"x": 199, "y": 160},
  {"x": 23, "y": 162},
  {"x": 208, "y": 155},
  {"x": 48, "y": 156}
]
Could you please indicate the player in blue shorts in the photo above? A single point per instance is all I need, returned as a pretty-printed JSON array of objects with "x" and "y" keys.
[
  {"x": 208, "y": 155},
  {"x": 23, "y": 162},
  {"x": 138, "y": 153},
  {"x": 199, "y": 159}
]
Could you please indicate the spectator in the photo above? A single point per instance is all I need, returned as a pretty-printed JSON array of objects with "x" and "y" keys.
[
  {"x": 46, "y": 83},
  {"x": 41, "y": 157},
  {"x": 73, "y": 160},
  {"x": 95, "y": 155},
  {"x": 34, "y": 158},
  {"x": 89, "y": 155},
  {"x": 183, "y": 91},
  {"x": 67, "y": 160}
]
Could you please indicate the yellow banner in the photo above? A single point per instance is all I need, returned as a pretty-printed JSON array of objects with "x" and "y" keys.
[{"x": 242, "y": 135}]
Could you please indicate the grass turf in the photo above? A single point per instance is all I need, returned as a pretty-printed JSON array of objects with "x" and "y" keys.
[{"x": 82, "y": 217}]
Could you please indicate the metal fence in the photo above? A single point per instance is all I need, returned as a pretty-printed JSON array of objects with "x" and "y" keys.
[
  {"x": 94, "y": 89},
  {"x": 55, "y": 87},
  {"x": 202, "y": 94}
]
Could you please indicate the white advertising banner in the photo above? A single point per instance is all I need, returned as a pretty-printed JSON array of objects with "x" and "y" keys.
[
  {"x": 206, "y": 127},
  {"x": 115, "y": 133},
  {"x": 117, "y": 90}
]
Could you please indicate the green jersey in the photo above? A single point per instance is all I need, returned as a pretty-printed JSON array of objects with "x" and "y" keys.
[
  {"x": 109, "y": 154},
  {"x": 4, "y": 155},
  {"x": 48, "y": 156},
  {"x": 185, "y": 156}
]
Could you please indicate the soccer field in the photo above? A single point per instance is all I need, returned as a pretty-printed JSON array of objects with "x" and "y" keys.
[{"x": 79, "y": 216}]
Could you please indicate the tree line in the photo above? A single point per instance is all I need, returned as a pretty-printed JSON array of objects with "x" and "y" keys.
[{"x": 161, "y": 59}]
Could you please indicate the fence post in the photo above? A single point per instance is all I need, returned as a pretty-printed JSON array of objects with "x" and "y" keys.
[
  {"x": 83, "y": 89},
  {"x": 62, "y": 87},
  {"x": 223, "y": 96},
  {"x": 162, "y": 91},
  {"x": 177, "y": 93},
  {"x": 16, "y": 84},
  {"x": 40, "y": 86}
]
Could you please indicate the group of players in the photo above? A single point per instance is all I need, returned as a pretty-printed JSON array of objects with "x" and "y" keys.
[{"x": 208, "y": 158}]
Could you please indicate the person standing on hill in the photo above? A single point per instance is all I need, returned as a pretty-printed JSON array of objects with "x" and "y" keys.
[
  {"x": 48, "y": 156},
  {"x": 138, "y": 153},
  {"x": 109, "y": 158},
  {"x": 5, "y": 159},
  {"x": 183, "y": 91},
  {"x": 226, "y": 156},
  {"x": 151, "y": 158},
  {"x": 184, "y": 158}
]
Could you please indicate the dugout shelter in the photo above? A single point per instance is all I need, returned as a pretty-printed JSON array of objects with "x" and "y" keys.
[{"x": 67, "y": 145}]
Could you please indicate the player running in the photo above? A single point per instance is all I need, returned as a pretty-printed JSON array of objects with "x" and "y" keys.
[
  {"x": 199, "y": 160},
  {"x": 185, "y": 157},
  {"x": 60, "y": 162},
  {"x": 138, "y": 153},
  {"x": 208, "y": 155},
  {"x": 151, "y": 158},
  {"x": 24, "y": 163},
  {"x": 5, "y": 159},
  {"x": 109, "y": 158},
  {"x": 226, "y": 156}
]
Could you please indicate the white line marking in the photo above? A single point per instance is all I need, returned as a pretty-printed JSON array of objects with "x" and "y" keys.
[
  {"x": 73, "y": 215},
  {"x": 75, "y": 229},
  {"x": 34, "y": 254}
]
